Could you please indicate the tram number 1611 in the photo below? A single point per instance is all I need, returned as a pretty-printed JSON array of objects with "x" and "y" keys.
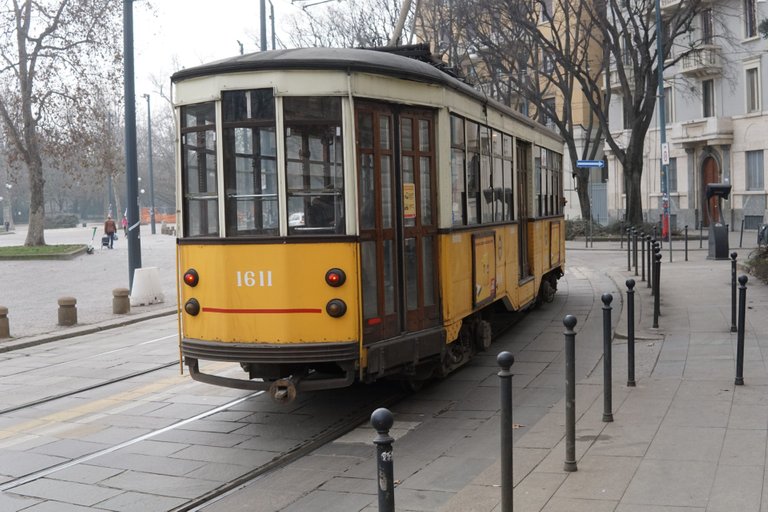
[{"x": 247, "y": 278}]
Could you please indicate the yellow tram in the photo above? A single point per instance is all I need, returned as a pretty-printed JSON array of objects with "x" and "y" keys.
[{"x": 352, "y": 214}]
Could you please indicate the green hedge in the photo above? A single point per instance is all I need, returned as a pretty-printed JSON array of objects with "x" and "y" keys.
[{"x": 61, "y": 220}]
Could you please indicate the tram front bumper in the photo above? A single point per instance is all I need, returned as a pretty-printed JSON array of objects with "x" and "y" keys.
[{"x": 306, "y": 356}]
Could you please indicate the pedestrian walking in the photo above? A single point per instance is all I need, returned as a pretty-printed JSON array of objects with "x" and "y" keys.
[
  {"x": 110, "y": 230},
  {"x": 124, "y": 223}
]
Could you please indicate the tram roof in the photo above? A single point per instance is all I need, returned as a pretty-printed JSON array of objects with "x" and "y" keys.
[{"x": 345, "y": 59}]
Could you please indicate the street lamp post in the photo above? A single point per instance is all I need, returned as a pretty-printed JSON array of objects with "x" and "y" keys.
[
  {"x": 664, "y": 160},
  {"x": 8, "y": 207},
  {"x": 151, "y": 177},
  {"x": 131, "y": 173}
]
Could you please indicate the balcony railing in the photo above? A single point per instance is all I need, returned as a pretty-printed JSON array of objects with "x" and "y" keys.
[{"x": 702, "y": 62}]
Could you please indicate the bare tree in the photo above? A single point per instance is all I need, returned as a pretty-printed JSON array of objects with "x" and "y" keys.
[
  {"x": 575, "y": 46},
  {"x": 53, "y": 55},
  {"x": 354, "y": 23}
]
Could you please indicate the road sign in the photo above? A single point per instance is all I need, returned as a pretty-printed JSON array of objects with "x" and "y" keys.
[
  {"x": 665, "y": 154},
  {"x": 590, "y": 163}
]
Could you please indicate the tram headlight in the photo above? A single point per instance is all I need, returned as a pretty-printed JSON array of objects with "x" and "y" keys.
[
  {"x": 192, "y": 307},
  {"x": 335, "y": 277},
  {"x": 191, "y": 277},
  {"x": 336, "y": 308}
]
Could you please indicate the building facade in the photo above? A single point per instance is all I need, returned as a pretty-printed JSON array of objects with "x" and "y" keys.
[{"x": 716, "y": 123}]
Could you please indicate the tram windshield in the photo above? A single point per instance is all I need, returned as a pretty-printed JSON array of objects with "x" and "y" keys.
[{"x": 313, "y": 158}]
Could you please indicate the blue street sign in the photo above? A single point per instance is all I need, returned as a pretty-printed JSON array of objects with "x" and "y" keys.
[{"x": 590, "y": 163}]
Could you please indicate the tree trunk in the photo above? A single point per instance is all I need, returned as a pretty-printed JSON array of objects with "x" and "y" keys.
[
  {"x": 35, "y": 235},
  {"x": 582, "y": 189},
  {"x": 634, "y": 170}
]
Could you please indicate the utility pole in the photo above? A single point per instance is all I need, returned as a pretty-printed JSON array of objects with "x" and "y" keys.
[
  {"x": 131, "y": 174},
  {"x": 664, "y": 160},
  {"x": 263, "y": 24}
]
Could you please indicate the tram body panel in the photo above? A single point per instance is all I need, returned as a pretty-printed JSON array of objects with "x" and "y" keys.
[{"x": 270, "y": 293}]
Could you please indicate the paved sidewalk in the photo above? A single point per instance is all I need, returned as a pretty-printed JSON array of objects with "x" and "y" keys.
[
  {"x": 30, "y": 288},
  {"x": 686, "y": 439}
]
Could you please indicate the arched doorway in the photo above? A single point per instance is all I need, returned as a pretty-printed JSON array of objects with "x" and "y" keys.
[{"x": 710, "y": 174}]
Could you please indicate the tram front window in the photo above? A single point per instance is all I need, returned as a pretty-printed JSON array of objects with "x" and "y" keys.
[
  {"x": 314, "y": 165},
  {"x": 250, "y": 162}
]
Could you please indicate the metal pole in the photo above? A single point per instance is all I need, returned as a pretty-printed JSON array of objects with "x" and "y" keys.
[
  {"x": 505, "y": 360},
  {"x": 151, "y": 174},
  {"x": 131, "y": 173},
  {"x": 656, "y": 295},
  {"x": 272, "y": 20},
  {"x": 686, "y": 242},
  {"x": 733, "y": 291},
  {"x": 607, "y": 359},
  {"x": 263, "y": 24},
  {"x": 650, "y": 256},
  {"x": 634, "y": 249},
  {"x": 621, "y": 237},
  {"x": 630, "y": 332},
  {"x": 741, "y": 236},
  {"x": 629, "y": 249},
  {"x": 642, "y": 255},
  {"x": 570, "y": 393},
  {"x": 740, "y": 335},
  {"x": 382, "y": 421},
  {"x": 700, "y": 235}
]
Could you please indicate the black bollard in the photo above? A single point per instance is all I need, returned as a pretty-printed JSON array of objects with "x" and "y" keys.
[
  {"x": 629, "y": 249},
  {"x": 733, "y": 291},
  {"x": 642, "y": 254},
  {"x": 740, "y": 335},
  {"x": 686, "y": 242},
  {"x": 505, "y": 361},
  {"x": 656, "y": 250},
  {"x": 634, "y": 249},
  {"x": 741, "y": 236},
  {"x": 656, "y": 284},
  {"x": 650, "y": 255},
  {"x": 630, "y": 333},
  {"x": 621, "y": 237},
  {"x": 607, "y": 298},
  {"x": 382, "y": 421},
  {"x": 700, "y": 238},
  {"x": 570, "y": 393}
]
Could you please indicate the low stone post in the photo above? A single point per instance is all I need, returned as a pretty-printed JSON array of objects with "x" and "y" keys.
[
  {"x": 121, "y": 304},
  {"x": 67, "y": 311},
  {"x": 5, "y": 330}
]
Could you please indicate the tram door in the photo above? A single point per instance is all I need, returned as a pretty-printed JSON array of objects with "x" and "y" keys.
[{"x": 398, "y": 220}]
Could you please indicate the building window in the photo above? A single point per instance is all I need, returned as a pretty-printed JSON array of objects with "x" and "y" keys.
[
  {"x": 750, "y": 19},
  {"x": 546, "y": 115},
  {"x": 708, "y": 97},
  {"x": 755, "y": 180},
  {"x": 672, "y": 175},
  {"x": 753, "y": 89},
  {"x": 707, "y": 30}
]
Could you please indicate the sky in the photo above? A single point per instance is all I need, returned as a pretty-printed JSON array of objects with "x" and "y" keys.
[{"x": 192, "y": 32}]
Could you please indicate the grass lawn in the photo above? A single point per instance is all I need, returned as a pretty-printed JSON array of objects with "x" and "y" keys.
[{"x": 45, "y": 251}]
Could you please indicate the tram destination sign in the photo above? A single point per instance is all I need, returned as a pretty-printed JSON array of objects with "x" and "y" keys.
[{"x": 590, "y": 163}]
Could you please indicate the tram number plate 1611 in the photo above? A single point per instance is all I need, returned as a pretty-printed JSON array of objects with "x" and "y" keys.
[{"x": 251, "y": 278}]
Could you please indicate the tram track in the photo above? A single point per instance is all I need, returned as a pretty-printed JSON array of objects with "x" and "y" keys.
[{"x": 84, "y": 389}]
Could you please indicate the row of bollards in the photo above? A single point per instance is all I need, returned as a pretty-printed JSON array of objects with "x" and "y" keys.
[
  {"x": 382, "y": 419},
  {"x": 67, "y": 310}
]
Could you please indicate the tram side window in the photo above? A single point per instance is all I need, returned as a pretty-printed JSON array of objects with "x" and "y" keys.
[
  {"x": 548, "y": 182},
  {"x": 314, "y": 165},
  {"x": 250, "y": 162},
  {"x": 457, "y": 170},
  {"x": 198, "y": 168},
  {"x": 487, "y": 197},
  {"x": 473, "y": 173}
]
